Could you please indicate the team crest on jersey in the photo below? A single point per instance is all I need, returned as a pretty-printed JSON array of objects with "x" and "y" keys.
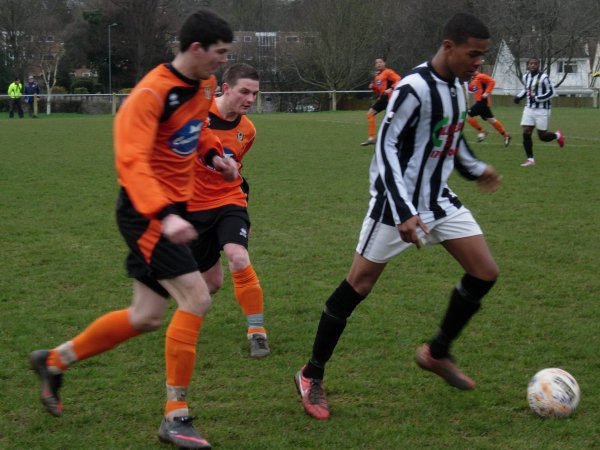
[
  {"x": 207, "y": 92},
  {"x": 173, "y": 99},
  {"x": 240, "y": 136},
  {"x": 453, "y": 91},
  {"x": 185, "y": 140}
]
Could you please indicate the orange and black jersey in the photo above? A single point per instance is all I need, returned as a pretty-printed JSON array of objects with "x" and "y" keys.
[
  {"x": 211, "y": 190},
  {"x": 159, "y": 132},
  {"x": 386, "y": 79},
  {"x": 481, "y": 84}
]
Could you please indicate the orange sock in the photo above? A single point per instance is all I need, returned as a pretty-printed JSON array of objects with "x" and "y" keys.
[
  {"x": 180, "y": 356},
  {"x": 372, "y": 125},
  {"x": 104, "y": 333},
  {"x": 473, "y": 122},
  {"x": 499, "y": 127},
  {"x": 249, "y": 295}
]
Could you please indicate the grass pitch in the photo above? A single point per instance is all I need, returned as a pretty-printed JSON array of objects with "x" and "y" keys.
[{"x": 62, "y": 266}]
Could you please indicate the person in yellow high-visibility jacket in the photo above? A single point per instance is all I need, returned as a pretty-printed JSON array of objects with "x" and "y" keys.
[{"x": 15, "y": 92}]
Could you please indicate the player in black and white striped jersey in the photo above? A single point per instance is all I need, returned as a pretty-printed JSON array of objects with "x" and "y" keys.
[
  {"x": 538, "y": 91},
  {"x": 419, "y": 144}
]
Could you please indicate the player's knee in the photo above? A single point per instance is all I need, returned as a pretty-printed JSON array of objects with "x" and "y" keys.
[
  {"x": 527, "y": 137},
  {"x": 214, "y": 283},
  {"x": 191, "y": 293},
  {"x": 237, "y": 256},
  {"x": 145, "y": 321}
]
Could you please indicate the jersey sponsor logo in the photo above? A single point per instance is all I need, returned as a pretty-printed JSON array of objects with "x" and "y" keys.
[
  {"x": 185, "y": 140},
  {"x": 442, "y": 129},
  {"x": 473, "y": 88}
]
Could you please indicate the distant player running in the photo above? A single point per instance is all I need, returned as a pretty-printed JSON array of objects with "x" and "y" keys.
[
  {"x": 382, "y": 85},
  {"x": 481, "y": 86},
  {"x": 218, "y": 209}
]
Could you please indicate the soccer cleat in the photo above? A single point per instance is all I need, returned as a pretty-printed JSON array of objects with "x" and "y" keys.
[
  {"x": 443, "y": 367},
  {"x": 560, "y": 138},
  {"x": 181, "y": 433},
  {"x": 481, "y": 136},
  {"x": 258, "y": 346},
  {"x": 312, "y": 392},
  {"x": 528, "y": 163},
  {"x": 370, "y": 141},
  {"x": 507, "y": 139},
  {"x": 50, "y": 383}
]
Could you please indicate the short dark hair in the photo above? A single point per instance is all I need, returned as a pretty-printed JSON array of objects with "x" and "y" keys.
[
  {"x": 463, "y": 26},
  {"x": 383, "y": 58},
  {"x": 206, "y": 27},
  {"x": 239, "y": 70}
]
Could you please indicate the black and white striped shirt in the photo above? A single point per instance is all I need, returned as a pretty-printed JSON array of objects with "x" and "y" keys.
[
  {"x": 420, "y": 142},
  {"x": 538, "y": 89}
]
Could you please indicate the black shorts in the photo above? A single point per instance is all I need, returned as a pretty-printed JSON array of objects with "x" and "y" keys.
[
  {"x": 381, "y": 103},
  {"x": 482, "y": 109},
  {"x": 151, "y": 256},
  {"x": 216, "y": 227}
]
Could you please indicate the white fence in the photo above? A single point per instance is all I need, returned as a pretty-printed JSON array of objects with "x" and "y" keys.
[{"x": 280, "y": 101}]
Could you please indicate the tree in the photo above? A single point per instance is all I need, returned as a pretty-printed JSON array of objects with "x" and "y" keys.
[{"x": 337, "y": 48}]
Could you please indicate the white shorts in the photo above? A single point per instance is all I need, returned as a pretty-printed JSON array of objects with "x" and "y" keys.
[
  {"x": 379, "y": 243},
  {"x": 533, "y": 117}
]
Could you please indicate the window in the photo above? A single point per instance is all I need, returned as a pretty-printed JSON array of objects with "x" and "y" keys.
[
  {"x": 567, "y": 67},
  {"x": 247, "y": 38},
  {"x": 292, "y": 39},
  {"x": 231, "y": 56}
]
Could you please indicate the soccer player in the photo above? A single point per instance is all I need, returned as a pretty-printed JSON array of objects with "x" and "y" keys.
[
  {"x": 419, "y": 143},
  {"x": 482, "y": 85},
  {"x": 382, "y": 85},
  {"x": 538, "y": 90},
  {"x": 159, "y": 132},
  {"x": 218, "y": 209}
]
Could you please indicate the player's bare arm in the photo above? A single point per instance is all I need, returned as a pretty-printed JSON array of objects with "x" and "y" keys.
[
  {"x": 178, "y": 230},
  {"x": 226, "y": 166},
  {"x": 489, "y": 181},
  {"x": 408, "y": 230}
]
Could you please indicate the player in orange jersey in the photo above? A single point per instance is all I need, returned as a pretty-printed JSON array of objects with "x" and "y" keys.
[
  {"x": 159, "y": 132},
  {"x": 382, "y": 86},
  {"x": 481, "y": 86},
  {"x": 218, "y": 208}
]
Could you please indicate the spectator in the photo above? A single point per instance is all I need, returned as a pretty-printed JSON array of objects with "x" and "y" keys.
[
  {"x": 15, "y": 91},
  {"x": 32, "y": 88}
]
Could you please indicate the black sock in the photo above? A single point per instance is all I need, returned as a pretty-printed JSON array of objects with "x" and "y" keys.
[
  {"x": 331, "y": 326},
  {"x": 528, "y": 145},
  {"x": 465, "y": 301}
]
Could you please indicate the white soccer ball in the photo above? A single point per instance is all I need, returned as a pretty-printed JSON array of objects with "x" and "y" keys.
[{"x": 553, "y": 393}]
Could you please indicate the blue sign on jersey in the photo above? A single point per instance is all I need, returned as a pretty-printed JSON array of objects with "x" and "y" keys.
[{"x": 185, "y": 140}]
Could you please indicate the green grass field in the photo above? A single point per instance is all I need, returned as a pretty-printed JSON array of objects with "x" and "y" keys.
[{"x": 62, "y": 266}]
